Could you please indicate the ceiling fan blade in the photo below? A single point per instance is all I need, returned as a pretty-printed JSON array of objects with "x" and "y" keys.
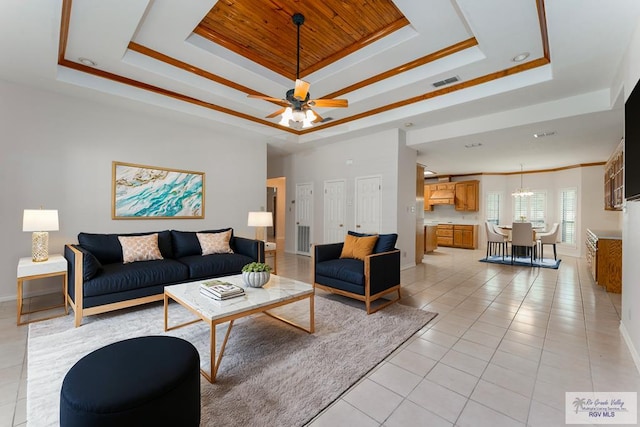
[
  {"x": 301, "y": 90},
  {"x": 266, "y": 98},
  {"x": 318, "y": 118},
  {"x": 279, "y": 101},
  {"x": 335, "y": 103},
  {"x": 276, "y": 113}
]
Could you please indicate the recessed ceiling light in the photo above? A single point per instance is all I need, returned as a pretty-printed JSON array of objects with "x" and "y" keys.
[
  {"x": 474, "y": 145},
  {"x": 428, "y": 172},
  {"x": 543, "y": 134},
  {"x": 521, "y": 57},
  {"x": 87, "y": 62}
]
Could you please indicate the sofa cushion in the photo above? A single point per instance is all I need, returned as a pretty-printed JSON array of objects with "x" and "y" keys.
[
  {"x": 215, "y": 243},
  {"x": 215, "y": 265},
  {"x": 385, "y": 242},
  {"x": 140, "y": 248},
  {"x": 345, "y": 269},
  {"x": 90, "y": 264},
  {"x": 118, "y": 277},
  {"x": 185, "y": 243},
  {"x": 107, "y": 248},
  {"x": 358, "y": 247}
]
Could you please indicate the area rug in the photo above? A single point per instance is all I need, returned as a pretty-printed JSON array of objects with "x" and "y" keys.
[
  {"x": 271, "y": 373},
  {"x": 523, "y": 261}
]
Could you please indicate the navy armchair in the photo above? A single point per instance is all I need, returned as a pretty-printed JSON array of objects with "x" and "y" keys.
[{"x": 378, "y": 275}]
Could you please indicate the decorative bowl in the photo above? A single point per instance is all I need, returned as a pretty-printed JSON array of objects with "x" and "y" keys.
[{"x": 255, "y": 279}]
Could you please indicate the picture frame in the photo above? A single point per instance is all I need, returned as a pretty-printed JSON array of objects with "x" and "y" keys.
[{"x": 153, "y": 192}]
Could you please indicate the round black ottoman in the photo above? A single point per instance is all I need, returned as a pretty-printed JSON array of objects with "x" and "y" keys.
[{"x": 146, "y": 381}]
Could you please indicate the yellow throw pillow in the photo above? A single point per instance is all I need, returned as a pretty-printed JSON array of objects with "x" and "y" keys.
[
  {"x": 358, "y": 247},
  {"x": 215, "y": 243},
  {"x": 140, "y": 248}
]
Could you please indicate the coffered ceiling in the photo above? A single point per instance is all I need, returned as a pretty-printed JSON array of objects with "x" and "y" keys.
[{"x": 203, "y": 57}]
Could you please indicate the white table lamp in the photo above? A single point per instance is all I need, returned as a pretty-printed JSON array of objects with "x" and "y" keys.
[
  {"x": 40, "y": 221},
  {"x": 260, "y": 220}
]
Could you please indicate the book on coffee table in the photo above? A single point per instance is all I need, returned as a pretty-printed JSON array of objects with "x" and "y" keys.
[{"x": 218, "y": 289}]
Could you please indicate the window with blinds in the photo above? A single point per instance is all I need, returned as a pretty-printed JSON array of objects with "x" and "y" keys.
[
  {"x": 493, "y": 207},
  {"x": 568, "y": 206},
  {"x": 531, "y": 209}
]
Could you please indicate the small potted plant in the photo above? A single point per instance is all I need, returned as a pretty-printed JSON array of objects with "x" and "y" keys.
[{"x": 256, "y": 274}]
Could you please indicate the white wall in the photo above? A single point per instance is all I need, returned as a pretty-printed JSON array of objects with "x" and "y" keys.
[
  {"x": 56, "y": 152},
  {"x": 631, "y": 225},
  {"x": 406, "y": 209},
  {"x": 370, "y": 155}
]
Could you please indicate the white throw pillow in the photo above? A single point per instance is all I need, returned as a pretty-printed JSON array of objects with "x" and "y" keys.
[
  {"x": 215, "y": 243},
  {"x": 140, "y": 248}
]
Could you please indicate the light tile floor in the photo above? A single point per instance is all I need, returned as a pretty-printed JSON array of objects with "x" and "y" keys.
[{"x": 506, "y": 345}]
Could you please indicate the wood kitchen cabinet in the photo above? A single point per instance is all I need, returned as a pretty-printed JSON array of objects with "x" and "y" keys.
[
  {"x": 614, "y": 180},
  {"x": 467, "y": 194},
  {"x": 604, "y": 257},
  {"x": 458, "y": 235}
]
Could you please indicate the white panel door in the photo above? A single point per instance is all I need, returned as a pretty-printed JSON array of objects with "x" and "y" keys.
[
  {"x": 368, "y": 204},
  {"x": 335, "y": 201},
  {"x": 304, "y": 218}
]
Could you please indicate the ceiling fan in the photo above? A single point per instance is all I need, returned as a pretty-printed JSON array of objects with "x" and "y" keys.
[{"x": 297, "y": 103}]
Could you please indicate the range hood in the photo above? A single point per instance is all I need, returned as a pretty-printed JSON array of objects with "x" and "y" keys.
[{"x": 443, "y": 197}]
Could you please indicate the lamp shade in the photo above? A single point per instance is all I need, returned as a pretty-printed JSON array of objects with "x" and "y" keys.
[
  {"x": 40, "y": 220},
  {"x": 260, "y": 219}
]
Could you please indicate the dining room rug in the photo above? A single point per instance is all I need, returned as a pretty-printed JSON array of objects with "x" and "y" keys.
[
  {"x": 271, "y": 373},
  {"x": 523, "y": 261}
]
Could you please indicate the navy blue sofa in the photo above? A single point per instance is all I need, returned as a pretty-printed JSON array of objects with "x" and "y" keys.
[
  {"x": 378, "y": 275},
  {"x": 99, "y": 281}
]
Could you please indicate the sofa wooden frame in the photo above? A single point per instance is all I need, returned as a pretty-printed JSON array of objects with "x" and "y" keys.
[{"x": 367, "y": 298}]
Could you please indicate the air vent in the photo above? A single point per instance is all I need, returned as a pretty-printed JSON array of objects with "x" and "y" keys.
[{"x": 446, "y": 81}]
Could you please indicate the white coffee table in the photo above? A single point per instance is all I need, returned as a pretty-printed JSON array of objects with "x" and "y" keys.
[{"x": 277, "y": 292}]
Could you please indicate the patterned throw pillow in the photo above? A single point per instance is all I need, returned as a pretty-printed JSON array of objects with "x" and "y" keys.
[
  {"x": 215, "y": 243},
  {"x": 358, "y": 247},
  {"x": 140, "y": 248}
]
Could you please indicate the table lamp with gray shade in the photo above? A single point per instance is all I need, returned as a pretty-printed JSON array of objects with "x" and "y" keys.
[
  {"x": 40, "y": 222},
  {"x": 260, "y": 220}
]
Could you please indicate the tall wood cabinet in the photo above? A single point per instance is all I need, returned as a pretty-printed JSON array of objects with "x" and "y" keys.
[{"x": 614, "y": 180}]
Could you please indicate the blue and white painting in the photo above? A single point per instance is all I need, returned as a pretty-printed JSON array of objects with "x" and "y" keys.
[{"x": 152, "y": 192}]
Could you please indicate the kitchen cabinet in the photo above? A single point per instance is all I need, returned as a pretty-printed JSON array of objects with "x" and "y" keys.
[
  {"x": 445, "y": 234},
  {"x": 604, "y": 257},
  {"x": 430, "y": 238},
  {"x": 467, "y": 193},
  {"x": 458, "y": 235}
]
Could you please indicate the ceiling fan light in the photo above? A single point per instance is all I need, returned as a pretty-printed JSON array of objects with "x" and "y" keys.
[
  {"x": 311, "y": 116},
  {"x": 306, "y": 123},
  {"x": 298, "y": 115},
  {"x": 286, "y": 116}
]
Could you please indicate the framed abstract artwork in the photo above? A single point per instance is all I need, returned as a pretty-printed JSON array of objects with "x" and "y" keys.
[{"x": 149, "y": 192}]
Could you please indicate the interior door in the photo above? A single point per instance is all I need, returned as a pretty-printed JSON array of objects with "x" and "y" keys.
[
  {"x": 368, "y": 204},
  {"x": 304, "y": 218},
  {"x": 335, "y": 201}
]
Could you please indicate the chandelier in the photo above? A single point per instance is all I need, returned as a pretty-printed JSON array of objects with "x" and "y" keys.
[{"x": 522, "y": 192}]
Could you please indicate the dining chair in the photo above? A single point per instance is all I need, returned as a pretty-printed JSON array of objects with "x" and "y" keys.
[
  {"x": 494, "y": 239},
  {"x": 549, "y": 238},
  {"x": 522, "y": 236}
]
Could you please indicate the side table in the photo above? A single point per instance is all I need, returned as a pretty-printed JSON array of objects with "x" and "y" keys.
[
  {"x": 270, "y": 249},
  {"x": 56, "y": 265}
]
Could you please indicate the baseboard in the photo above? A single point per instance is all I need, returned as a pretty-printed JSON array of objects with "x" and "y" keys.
[
  {"x": 627, "y": 339},
  {"x": 29, "y": 295}
]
